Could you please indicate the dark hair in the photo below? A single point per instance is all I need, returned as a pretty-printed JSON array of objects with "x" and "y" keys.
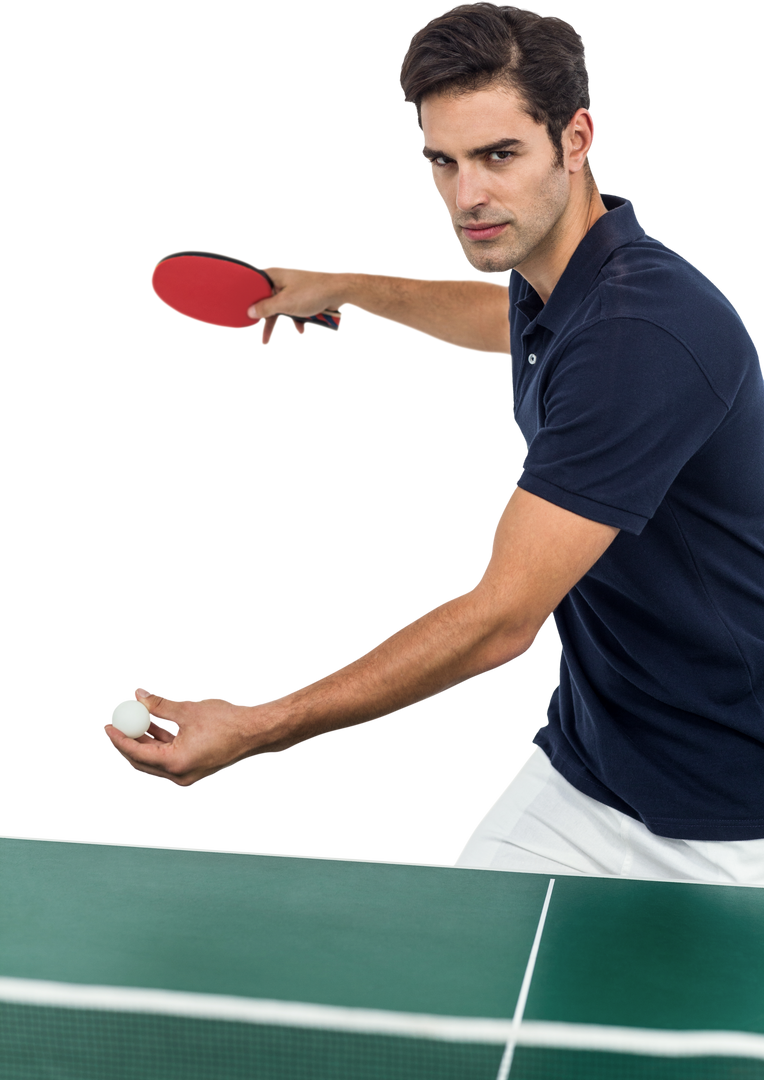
[{"x": 476, "y": 45}]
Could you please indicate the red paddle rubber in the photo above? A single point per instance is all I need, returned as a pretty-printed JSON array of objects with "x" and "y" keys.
[{"x": 214, "y": 288}]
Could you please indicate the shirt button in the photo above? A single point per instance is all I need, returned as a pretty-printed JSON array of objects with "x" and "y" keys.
[{"x": 532, "y": 358}]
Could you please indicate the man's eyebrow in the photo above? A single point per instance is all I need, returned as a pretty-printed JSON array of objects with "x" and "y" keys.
[{"x": 502, "y": 144}]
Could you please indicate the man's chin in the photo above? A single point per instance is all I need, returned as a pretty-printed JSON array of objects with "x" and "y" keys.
[{"x": 480, "y": 255}]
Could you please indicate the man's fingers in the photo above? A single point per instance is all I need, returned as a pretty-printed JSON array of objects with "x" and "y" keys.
[
  {"x": 145, "y": 754},
  {"x": 158, "y": 736},
  {"x": 161, "y": 707},
  {"x": 158, "y": 733},
  {"x": 270, "y": 323}
]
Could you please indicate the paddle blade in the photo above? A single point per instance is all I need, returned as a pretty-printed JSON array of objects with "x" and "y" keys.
[{"x": 209, "y": 288}]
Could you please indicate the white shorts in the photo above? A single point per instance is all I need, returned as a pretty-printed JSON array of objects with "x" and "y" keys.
[{"x": 543, "y": 825}]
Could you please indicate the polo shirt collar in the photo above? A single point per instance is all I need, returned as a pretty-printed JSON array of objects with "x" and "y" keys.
[{"x": 620, "y": 226}]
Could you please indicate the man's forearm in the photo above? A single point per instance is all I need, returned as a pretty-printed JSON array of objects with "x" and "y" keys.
[
  {"x": 473, "y": 314},
  {"x": 455, "y": 642}
]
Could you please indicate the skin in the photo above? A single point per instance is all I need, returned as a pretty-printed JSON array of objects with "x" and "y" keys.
[{"x": 494, "y": 166}]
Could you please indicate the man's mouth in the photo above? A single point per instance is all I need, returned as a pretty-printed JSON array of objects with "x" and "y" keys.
[{"x": 482, "y": 232}]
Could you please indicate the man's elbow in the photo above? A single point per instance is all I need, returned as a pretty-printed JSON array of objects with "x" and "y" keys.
[{"x": 507, "y": 640}]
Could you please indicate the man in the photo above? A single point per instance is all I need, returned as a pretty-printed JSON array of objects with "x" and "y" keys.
[{"x": 639, "y": 517}]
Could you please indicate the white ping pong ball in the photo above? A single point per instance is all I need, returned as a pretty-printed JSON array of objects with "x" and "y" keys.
[{"x": 132, "y": 718}]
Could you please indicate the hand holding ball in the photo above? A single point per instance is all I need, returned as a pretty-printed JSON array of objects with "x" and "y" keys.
[{"x": 132, "y": 718}]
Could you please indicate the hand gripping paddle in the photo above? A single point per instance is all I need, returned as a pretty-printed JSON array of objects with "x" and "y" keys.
[{"x": 219, "y": 290}]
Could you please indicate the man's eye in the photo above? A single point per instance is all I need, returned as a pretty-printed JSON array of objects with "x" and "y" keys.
[
  {"x": 501, "y": 155},
  {"x": 436, "y": 161}
]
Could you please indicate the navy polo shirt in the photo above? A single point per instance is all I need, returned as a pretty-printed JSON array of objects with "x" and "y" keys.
[{"x": 640, "y": 397}]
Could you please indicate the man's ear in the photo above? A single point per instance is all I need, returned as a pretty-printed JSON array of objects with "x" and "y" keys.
[{"x": 577, "y": 139}]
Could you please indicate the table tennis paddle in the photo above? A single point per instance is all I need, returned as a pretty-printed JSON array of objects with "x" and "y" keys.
[{"x": 216, "y": 289}]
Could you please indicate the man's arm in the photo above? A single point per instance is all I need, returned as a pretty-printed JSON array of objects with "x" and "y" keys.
[
  {"x": 466, "y": 313},
  {"x": 455, "y": 642},
  {"x": 540, "y": 551}
]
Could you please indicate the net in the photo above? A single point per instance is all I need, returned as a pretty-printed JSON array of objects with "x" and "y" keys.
[{"x": 151, "y": 1039}]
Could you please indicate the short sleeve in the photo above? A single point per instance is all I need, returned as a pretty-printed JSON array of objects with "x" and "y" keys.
[{"x": 624, "y": 409}]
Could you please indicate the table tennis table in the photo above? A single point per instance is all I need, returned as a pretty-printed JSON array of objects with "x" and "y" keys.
[{"x": 121, "y": 963}]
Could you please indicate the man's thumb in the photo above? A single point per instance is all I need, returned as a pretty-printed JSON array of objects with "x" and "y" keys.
[
  {"x": 154, "y": 704},
  {"x": 146, "y": 698},
  {"x": 263, "y": 308}
]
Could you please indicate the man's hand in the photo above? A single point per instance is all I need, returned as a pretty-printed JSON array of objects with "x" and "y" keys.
[
  {"x": 211, "y": 735},
  {"x": 297, "y": 292}
]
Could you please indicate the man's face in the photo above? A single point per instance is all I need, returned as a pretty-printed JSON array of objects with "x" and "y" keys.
[{"x": 494, "y": 167}]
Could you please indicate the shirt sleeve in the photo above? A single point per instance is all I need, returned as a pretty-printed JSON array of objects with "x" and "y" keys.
[{"x": 624, "y": 409}]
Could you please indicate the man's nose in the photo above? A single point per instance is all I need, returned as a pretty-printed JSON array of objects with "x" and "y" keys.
[{"x": 470, "y": 190}]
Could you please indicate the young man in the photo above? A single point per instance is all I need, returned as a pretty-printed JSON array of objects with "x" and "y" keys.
[{"x": 639, "y": 517}]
